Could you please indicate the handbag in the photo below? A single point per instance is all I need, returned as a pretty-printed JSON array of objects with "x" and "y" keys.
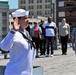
[
  {"x": 69, "y": 40},
  {"x": 42, "y": 37}
]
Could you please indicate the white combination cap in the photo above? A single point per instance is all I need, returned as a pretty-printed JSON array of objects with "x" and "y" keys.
[{"x": 20, "y": 13}]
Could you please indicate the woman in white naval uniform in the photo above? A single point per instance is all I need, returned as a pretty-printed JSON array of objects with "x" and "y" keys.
[{"x": 21, "y": 53}]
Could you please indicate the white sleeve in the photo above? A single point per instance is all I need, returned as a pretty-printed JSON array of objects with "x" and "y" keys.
[
  {"x": 55, "y": 25},
  {"x": 7, "y": 42}
]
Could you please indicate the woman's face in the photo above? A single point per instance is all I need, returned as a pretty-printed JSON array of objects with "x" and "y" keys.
[
  {"x": 35, "y": 24},
  {"x": 63, "y": 21},
  {"x": 23, "y": 22}
]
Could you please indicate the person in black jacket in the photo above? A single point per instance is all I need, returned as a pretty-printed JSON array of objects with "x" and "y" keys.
[{"x": 42, "y": 39}]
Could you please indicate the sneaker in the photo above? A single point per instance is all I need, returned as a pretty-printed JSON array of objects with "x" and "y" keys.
[
  {"x": 47, "y": 55},
  {"x": 37, "y": 56},
  {"x": 65, "y": 53},
  {"x": 52, "y": 55}
]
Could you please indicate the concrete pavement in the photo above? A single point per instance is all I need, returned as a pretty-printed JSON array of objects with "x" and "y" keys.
[{"x": 56, "y": 65}]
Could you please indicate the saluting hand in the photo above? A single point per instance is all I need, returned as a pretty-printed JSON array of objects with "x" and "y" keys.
[{"x": 16, "y": 25}]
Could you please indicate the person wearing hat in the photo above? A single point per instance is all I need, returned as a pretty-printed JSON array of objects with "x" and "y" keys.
[{"x": 22, "y": 52}]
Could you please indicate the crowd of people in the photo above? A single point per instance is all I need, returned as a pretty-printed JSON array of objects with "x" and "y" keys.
[{"x": 44, "y": 35}]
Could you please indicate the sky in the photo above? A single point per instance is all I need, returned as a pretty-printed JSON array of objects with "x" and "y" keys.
[{"x": 13, "y": 4}]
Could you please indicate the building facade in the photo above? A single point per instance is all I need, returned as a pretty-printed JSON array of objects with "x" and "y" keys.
[
  {"x": 66, "y": 9},
  {"x": 38, "y": 7},
  {"x": 4, "y": 18}
]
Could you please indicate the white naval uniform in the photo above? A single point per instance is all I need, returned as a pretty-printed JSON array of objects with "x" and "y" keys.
[{"x": 21, "y": 55}]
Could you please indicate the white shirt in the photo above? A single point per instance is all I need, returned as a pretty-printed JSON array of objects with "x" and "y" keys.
[
  {"x": 21, "y": 55},
  {"x": 50, "y": 31}
]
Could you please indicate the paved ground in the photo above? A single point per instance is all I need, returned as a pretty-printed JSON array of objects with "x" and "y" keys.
[{"x": 57, "y": 65}]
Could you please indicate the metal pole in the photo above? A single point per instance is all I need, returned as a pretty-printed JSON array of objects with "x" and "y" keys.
[
  {"x": 51, "y": 8},
  {"x": 53, "y": 16},
  {"x": 53, "y": 13}
]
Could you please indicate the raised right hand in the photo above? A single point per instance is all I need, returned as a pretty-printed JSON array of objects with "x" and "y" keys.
[{"x": 16, "y": 26}]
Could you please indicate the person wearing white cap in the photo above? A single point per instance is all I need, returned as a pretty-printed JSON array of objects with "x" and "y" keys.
[{"x": 20, "y": 46}]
